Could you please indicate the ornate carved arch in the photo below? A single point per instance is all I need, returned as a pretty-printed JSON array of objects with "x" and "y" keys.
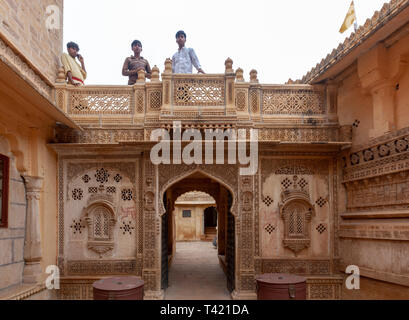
[{"x": 223, "y": 174}]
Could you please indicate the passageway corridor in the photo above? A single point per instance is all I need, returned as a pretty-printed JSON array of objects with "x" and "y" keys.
[{"x": 195, "y": 274}]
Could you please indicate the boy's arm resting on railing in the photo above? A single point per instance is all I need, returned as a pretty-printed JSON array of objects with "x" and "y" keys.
[{"x": 195, "y": 61}]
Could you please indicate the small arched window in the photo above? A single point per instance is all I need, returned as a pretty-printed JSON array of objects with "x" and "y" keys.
[
  {"x": 100, "y": 219},
  {"x": 296, "y": 214},
  {"x": 4, "y": 190}
]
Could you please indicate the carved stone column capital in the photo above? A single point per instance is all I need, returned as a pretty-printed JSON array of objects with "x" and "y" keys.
[{"x": 33, "y": 184}]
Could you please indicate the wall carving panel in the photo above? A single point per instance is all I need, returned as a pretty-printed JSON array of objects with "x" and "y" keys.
[
  {"x": 106, "y": 136},
  {"x": 127, "y": 168},
  {"x": 295, "y": 212},
  {"x": 301, "y": 267},
  {"x": 97, "y": 267},
  {"x": 76, "y": 289},
  {"x": 257, "y": 215},
  {"x": 376, "y": 175},
  {"x": 301, "y": 134},
  {"x": 245, "y": 234},
  {"x": 155, "y": 99},
  {"x": 254, "y": 100},
  {"x": 151, "y": 229},
  {"x": 285, "y": 101},
  {"x": 388, "y": 191},
  {"x": 386, "y": 155},
  {"x": 140, "y": 101},
  {"x": 194, "y": 92},
  {"x": 293, "y": 167},
  {"x": 97, "y": 136},
  {"x": 241, "y": 100},
  {"x": 324, "y": 289},
  {"x": 97, "y": 101},
  {"x": 91, "y": 194}
]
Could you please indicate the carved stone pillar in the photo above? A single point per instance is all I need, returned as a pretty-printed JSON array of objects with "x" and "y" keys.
[
  {"x": 151, "y": 272},
  {"x": 167, "y": 88},
  {"x": 245, "y": 271},
  {"x": 230, "y": 77},
  {"x": 255, "y": 96},
  {"x": 32, "y": 245}
]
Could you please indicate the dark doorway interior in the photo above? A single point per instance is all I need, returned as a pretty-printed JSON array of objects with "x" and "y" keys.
[{"x": 210, "y": 215}]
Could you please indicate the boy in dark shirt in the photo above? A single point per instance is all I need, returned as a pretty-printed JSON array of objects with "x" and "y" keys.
[{"x": 135, "y": 63}]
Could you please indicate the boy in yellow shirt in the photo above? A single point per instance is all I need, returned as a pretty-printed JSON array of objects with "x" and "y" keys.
[{"x": 74, "y": 72}]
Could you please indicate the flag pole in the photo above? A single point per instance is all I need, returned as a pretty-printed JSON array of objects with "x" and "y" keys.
[{"x": 356, "y": 19}]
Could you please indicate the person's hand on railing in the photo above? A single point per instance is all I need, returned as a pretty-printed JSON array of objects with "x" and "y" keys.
[
  {"x": 200, "y": 70},
  {"x": 71, "y": 81}
]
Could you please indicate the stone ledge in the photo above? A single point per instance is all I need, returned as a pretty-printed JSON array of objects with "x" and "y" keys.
[
  {"x": 399, "y": 279},
  {"x": 378, "y": 214},
  {"x": 21, "y": 292}
]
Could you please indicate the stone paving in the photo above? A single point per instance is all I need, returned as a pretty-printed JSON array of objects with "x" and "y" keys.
[{"x": 195, "y": 274}]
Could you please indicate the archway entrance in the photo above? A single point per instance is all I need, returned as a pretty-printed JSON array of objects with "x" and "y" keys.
[{"x": 219, "y": 216}]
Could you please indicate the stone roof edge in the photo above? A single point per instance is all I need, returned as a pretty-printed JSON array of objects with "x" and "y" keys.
[
  {"x": 18, "y": 53},
  {"x": 356, "y": 38}
]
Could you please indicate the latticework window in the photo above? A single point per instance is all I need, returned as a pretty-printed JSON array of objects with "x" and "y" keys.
[
  {"x": 296, "y": 221},
  {"x": 101, "y": 224},
  {"x": 296, "y": 214},
  {"x": 100, "y": 219}
]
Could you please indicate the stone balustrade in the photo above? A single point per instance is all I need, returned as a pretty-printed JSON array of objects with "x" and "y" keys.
[{"x": 291, "y": 112}]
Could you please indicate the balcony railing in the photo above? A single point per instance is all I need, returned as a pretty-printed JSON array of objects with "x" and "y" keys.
[
  {"x": 101, "y": 101},
  {"x": 291, "y": 112}
]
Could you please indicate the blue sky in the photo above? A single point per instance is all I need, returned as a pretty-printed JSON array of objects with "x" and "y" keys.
[{"x": 280, "y": 39}]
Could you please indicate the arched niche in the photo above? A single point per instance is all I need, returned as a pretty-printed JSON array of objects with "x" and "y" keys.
[
  {"x": 297, "y": 211},
  {"x": 100, "y": 219}
]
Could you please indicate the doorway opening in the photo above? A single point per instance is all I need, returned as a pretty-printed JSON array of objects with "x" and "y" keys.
[{"x": 198, "y": 210}]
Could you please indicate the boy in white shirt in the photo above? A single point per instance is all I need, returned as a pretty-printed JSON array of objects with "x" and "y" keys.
[{"x": 183, "y": 60}]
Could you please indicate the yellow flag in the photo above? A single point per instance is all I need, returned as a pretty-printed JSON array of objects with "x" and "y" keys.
[{"x": 349, "y": 19}]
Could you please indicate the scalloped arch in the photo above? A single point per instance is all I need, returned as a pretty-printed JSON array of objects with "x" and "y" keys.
[{"x": 211, "y": 175}]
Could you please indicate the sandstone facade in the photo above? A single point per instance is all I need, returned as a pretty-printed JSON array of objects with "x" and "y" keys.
[{"x": 331, "y": 189}]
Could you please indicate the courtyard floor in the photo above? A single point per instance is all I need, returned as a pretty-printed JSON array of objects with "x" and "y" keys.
[{"x": 195, "y": 274}]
